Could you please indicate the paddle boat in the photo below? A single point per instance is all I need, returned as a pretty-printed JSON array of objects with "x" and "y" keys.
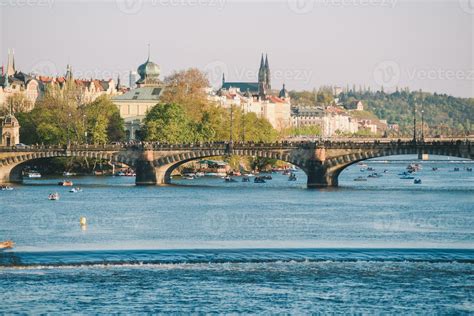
[
  {"x": 360, "y": 178},
  {"x": 66, "y": 183},
  {"x": 8, "y": 244},
  {"x": 245, "y": 179},
  {"x": 34, "y": 174},
  {"x": 292, "y": 177},
  {"x": 53, "y": 196},
  {"x": 75, "y": 190},
  {"x": 6, "y": 188},
  {"x": 417, "y": 181},
  {"x": 259, "y": 180},
  {"x": 229, "y": 179}
]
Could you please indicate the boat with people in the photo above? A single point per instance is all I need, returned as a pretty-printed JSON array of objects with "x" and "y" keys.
[
  {"x": 434, "y": 169},
  {"x": 414, "y": 167},
  {"x": 266, "y": 177},
  {"x": 374, "y": 175},
  {"x": 245, "y": 179},
  {"x": 417, "y": 181},
  {"x": 370, "y": 169},
  {"x": 34, "y": 174},
  {"x": 456, "y": 169},
  {"x": 53, "y": 196},
  {"x": 229, "y": 179},
  {"x": 6, "y": 188},
  {"x": 292, "y": 177},
  {"x": 75, "y": 190},
  {"x": 7, "y": 244},
  {"x": 259, "y": 180},
  {"x": 68, "y": 174},
  {"x": 468, "y": 169},
  {"x": 286, "y": 172},
  {"x": 407, "y": 177},
  {"x": 65, "y": 183},
  {"x": 360, "y": 178}
]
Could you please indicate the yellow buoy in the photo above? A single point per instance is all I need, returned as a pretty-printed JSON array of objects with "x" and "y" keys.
[{"x": 83, "y": 221}]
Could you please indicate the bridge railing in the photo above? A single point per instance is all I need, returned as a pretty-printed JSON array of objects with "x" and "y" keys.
[{"x": 375, "y": 144}]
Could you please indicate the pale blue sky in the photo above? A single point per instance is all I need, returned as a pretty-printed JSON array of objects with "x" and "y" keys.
[{"x": 421, "y": 44}]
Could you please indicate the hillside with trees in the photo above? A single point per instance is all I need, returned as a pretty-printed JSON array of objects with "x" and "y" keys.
[{"x": 444, "y": 115}]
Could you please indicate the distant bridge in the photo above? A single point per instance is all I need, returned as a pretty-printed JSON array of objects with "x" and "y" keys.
[{"x": 321, "y": 161}]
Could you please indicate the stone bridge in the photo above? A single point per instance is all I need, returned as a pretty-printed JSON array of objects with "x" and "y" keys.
[{"x": 321, "y": 161}]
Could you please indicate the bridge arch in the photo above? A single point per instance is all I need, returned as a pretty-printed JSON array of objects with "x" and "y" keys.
[
  {"x": 165, "y": 166},
  {"x": 336, "y": 165},
  {"x": 11, "y": 167}
]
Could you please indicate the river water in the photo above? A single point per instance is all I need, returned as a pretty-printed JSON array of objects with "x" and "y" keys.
[{"x": 381, "y": 246}]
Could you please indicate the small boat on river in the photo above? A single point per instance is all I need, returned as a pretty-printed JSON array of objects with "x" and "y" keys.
[
  {"x": 417, "y": 181},
  {"x": 360, "y": 178},
  {"x": 259, "y": 180},
  {"x": 53, "y": 196},
  {"x": 292, "y": 177},
  {"x": 66, "y": 183}
]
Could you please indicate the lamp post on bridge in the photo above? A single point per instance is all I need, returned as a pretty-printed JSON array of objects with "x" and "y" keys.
[
  {"x": 422, "y": 118},
  {"x": 414, "y": 120}
]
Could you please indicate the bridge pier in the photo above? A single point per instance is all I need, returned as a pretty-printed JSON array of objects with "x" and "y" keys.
[
  {"x": 10, "y": 174},
  {"x": 319, "y": 177},
  {"x": 146, "y": 174}
]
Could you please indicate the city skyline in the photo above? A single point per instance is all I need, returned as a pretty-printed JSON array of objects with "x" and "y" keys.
[{"x": 345, "y": 44}]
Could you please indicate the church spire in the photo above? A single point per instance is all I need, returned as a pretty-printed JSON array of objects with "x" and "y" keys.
[
  {"x": 118, "y": 82},
  {"x": 68, "y": 73},
  {"x": 267, "y": 73},
  {"x": 11, "y": 63},
  {"x": 262, "y": 72},
  {"x": 223, "y": 79},
  {"x": 148, "y": 59}
]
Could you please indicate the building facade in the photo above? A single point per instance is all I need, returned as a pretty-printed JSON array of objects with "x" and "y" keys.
[
  {"x": 257, "y": 97},
  {"x": 33, "y": 86},
  {"x": 134, "y": 104}
]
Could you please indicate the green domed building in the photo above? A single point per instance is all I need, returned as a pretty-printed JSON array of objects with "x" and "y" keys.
[{"x": 134, "y": 104}]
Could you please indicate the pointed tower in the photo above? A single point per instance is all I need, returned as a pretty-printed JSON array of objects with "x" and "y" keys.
[
  {"x": 268, "y": 84},
  {"x": 261, "y": 72},
  {"x": 69, "y": 73},
  {"x": 118, "y": 83},
  {"x": 223, "y": 79},
  {"x": 11, "y": 63}
]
